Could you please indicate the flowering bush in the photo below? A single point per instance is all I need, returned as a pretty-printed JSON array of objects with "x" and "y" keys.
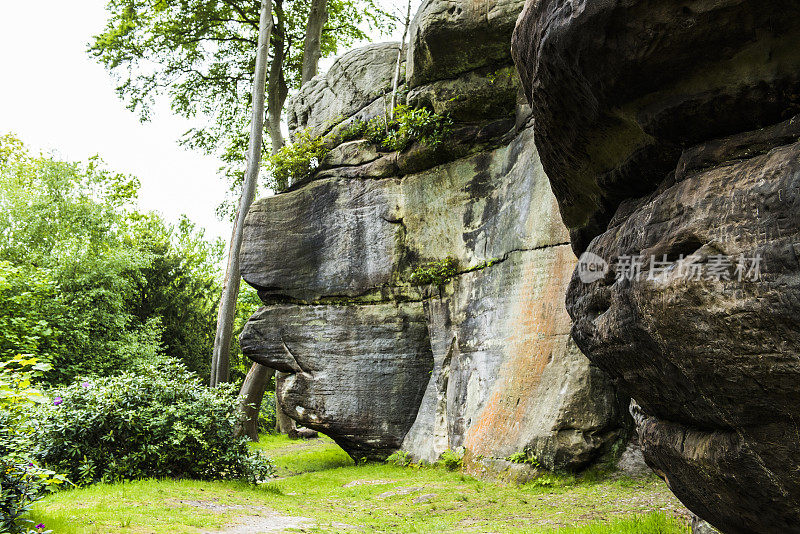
[
  {"x": 21, "y": 482},
  {"x": 159, "y": 422}
]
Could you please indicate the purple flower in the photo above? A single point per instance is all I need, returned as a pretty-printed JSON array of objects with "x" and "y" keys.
[
  {"x": 30, "y": 464},
  {"x": 87, "y": 385},
  {"x": 57, "y": 401},
  {"x": 40, "y": 526}
]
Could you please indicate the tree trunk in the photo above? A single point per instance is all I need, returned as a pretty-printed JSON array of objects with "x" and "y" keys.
[
  {"x": 251, "y": 396},
  {"x": 398, "y": 66},
  {"x": 278, "y": 92},
  {"x": 277, "y": 88},
  {"x": 220, "y": 363},
  {"x": 283, "y": 423},
  {"x": 312, "y": 45}
]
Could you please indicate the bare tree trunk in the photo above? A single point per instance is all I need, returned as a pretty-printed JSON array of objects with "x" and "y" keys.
[
  {"x": 220, "y": 364},
  {"x": 283, "y": 423},
  {"x": 277, "y": 88},
  {"x": 252, "y": 395},
  {"x": 278, "y": 91},
  {"x": 398, "y": 66},
  {"x": 312, "y": 46}
]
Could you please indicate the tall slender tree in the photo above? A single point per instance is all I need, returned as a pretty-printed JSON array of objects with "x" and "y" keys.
[
  {"x": 399, "y": 64},
  {"x": 220, "y": 367},
  {"x": 258, "y": 379},
  {"x": 198, "y": 54},
  {"x": 312, "y": 49}
]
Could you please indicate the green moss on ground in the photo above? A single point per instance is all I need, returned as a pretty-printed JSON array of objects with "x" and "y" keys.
[{"x": 337, "y": 495}]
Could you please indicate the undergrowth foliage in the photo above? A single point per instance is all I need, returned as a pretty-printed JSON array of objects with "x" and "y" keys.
[
  {"x": 408, "y": 126},
  {"x": 22, "y": 482},
  {"x": 158, "y": 422}
]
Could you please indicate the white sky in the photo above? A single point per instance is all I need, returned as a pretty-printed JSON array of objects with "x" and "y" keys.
[{"x": 56, "y": 98}]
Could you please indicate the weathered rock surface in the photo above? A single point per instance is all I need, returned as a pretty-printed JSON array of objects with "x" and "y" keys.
[
  {"x": 331, "y": 238},
  {"x": 354, "y": 81},
  {"x": 451, "y": 37},
  {"x": 480, "y": 94},
  {"x": 484, "y": 361},
  {"x": 666, "y": 131},
  {"x": 355, "y": 372},
  {"x": 621, "y": 87},
  {"x": 507, "y": 376}
]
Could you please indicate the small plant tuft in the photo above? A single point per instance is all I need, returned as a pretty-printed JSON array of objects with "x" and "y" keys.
[
  {"x": 524, "y": 456},
  {"x": 452, "y": 460},
  {"x": 436, "y": 272},
  {"x": 297, "y": 161},
  {"x": 400, "y": 459}
]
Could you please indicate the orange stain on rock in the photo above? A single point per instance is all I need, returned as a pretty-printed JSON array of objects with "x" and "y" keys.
[{"x": 537, "y": 330}]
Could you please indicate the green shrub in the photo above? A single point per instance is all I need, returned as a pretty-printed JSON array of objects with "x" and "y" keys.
[
  {"x": 436, "y": 272},
  {"x": 297, "y": 161},
  {"x": 409, "y": 125},
  {"x": 160, "y": 422},
  {"x": 21, "y": 482}
]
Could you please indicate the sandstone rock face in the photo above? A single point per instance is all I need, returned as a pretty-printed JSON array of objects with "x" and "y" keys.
[
  {"x": 668, "y": 133},
  {"x": 354, "y": 370},
  {"x": 333, "y": 237},
  {"x": 508, "y": 377},
  {"x": 484, "y": 361},
  {"x": 354, "y": 81},
  {"x": 621, "y": 87},
  {"x": 451, "y": 37}
]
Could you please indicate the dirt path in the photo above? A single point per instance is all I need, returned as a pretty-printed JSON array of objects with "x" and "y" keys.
[{"x": 258, "y": 521}]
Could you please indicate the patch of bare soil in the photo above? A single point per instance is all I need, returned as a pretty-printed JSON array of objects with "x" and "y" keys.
[
  {"x": 265, "y": 523},
  {"x": 298, "y": 446},
  {"x": 379, "y": 482},
  {"x": 259, "y": 521}
]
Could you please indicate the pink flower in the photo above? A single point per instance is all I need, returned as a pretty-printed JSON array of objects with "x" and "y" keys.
[{"x": 57, "y": 401}]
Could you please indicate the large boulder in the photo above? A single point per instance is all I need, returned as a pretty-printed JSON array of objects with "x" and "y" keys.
[
  {"x": 501, "y": 375},
  {"x": 356, "y": 79},
  {"x": 452, "y": 37},
  {"x": 621, "y": 87},
  {"x": 334, "y": 237},
  {"x": 355, "y": 373},
  {"x": 483, "y": 360},
  {"x": 667, "y": 132}
]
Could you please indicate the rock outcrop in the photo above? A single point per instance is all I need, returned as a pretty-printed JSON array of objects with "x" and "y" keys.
[
  {"x": 669, "y": 131},
  {"x": 484, "y": 361}
]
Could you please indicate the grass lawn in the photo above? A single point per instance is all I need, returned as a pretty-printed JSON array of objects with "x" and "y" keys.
[{"x": 320, "y": 490}]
